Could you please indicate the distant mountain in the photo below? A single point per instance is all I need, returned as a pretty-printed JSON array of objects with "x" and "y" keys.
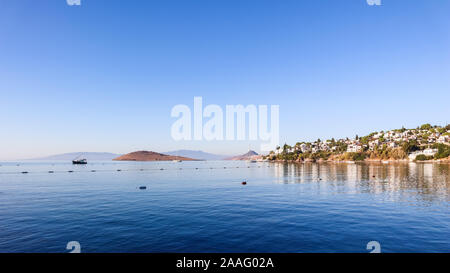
[
  {"x": 197, "y": 155},
  {"x": 87, "y": 155},
  {"x": 247, "y": 156},
  {"x": 150, "y": 156}
]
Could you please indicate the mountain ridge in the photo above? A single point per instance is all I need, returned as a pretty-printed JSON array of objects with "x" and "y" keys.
[
  {"x": 247, "y": 156},
  {"x": 90, "y": 156}
]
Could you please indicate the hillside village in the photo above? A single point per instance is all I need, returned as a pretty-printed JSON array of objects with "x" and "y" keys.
[{"x": 426, "y": 142}]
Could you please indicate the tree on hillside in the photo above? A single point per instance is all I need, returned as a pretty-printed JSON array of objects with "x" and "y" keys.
[
  {"x": 410, "y": 146},
  {"x": 426, "y": 126}
]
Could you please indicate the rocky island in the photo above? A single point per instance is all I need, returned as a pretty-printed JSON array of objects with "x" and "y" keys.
[{"x": 150, "y": 156}]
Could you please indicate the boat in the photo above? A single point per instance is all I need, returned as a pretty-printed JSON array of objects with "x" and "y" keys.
[
  {"x": 176, "y": 160},
  {"x": 79, "y": 161}
]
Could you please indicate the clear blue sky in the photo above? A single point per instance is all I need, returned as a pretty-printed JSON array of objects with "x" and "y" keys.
[{"x": 104, "y": 76}]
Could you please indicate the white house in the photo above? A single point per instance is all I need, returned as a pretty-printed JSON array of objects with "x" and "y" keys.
[
  {"x": 443, "y": 139},
  {"x": 427, "y": 152},
  {"x": 352, "y": 148}
]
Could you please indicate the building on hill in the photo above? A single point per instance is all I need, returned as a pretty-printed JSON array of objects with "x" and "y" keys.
[{"x": 426, "y": 152}]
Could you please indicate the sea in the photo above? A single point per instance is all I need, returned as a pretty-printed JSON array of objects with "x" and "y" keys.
[{"x": 204, "y": 206}]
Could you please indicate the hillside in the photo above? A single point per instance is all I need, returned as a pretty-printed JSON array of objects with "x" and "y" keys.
[
  {"x": 150, "y": 156},
  {"x": 426, "y": 142},
  {"x": 247, "y": 156}
]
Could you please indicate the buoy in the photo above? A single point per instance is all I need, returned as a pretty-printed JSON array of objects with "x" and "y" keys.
[
  {"x": 24, "y": 172},
  {"x": 50, "y": 172},
  {"x": 142, "y": 187},
  {"x": 70, "y": 171},
  {"x": 119, "y": 170},
  {"x": 373, "y": 176},
  {"x": 162, "y": 169},
  {"x": 93, "y": 171},
  {"x": 244, "y": 183}
]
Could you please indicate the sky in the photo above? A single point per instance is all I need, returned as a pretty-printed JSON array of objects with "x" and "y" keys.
[{"x": 104, "y": 76}]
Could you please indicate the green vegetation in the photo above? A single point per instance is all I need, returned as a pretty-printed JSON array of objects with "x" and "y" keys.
[
  {"x": 426, "y": 127},
  {"x": 410, "y": 146},
  {"x": 443, "y": 151},
  {"x": 423, "y": 157}
]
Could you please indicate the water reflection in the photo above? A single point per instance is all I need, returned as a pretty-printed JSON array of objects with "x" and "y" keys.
[{"x": 428, "y": 180}]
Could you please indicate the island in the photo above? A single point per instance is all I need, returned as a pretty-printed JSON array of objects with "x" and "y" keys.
[{"x": 151, "y": 156}]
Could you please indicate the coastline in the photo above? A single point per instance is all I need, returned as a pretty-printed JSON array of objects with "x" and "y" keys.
[{"x": 388, "y": 161}]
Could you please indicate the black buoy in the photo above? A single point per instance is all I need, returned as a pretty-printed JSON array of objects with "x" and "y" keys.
[
  {"x": 119, "y": 170},
  {"x": 142, "y": 187},
  {"x": 162, "y": 169},
  {"x": 93, "y": 171},
  {"x": 373, "y": 176},
  {"x": 70, "y": 171},
  {"x": 50, "y": 171},
  {"x": 24, "y": 172},
  {"x": 244, "y": 183}
]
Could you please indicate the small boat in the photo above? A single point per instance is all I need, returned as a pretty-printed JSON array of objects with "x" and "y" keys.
[
  {"x": 177, "y": 160},
  {"x": 79, "y": 161}
]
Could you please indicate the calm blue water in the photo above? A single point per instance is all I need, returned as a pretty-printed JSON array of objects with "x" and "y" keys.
[{"x": 283, "y": 208}]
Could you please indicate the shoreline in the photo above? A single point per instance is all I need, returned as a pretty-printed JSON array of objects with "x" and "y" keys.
[{"x": 389, "y": 161}]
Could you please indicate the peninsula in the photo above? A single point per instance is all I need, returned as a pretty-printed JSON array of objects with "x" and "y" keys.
[{"x": 423, "y": 143}]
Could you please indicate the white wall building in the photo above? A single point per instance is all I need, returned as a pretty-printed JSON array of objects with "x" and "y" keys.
[
  {"x": 353, "y": 148},
  {"x": 427, "y": 152}
]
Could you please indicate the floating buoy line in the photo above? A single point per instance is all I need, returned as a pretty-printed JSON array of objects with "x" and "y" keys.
[{"x": 131, "y": 170}]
